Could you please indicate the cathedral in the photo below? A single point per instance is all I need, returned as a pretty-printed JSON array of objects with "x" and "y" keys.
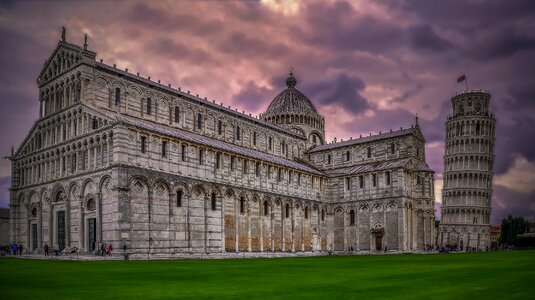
[{"x": 120, "y": 159}]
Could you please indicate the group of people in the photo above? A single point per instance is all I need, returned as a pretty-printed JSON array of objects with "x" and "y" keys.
[
  {"x": 16, "y": 249},
  {"x": 105, "y": 250}
]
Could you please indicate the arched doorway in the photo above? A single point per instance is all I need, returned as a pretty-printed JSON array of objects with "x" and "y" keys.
[
  {"x": 91, "y": 223},
  {"x": 377, "y": 236}
]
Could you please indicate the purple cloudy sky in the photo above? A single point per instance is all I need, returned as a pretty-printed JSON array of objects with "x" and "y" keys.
[{"x": 367, "y": 65}]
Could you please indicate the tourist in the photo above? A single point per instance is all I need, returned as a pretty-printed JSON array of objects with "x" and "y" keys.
[
  {"x": 110, "y": 249},
  {"x": 20, "y": 249},
  {"x": 14, "y": 248},
  {"x": 102, "y": 249},
  {"x": 47, "y": 251},
  {"x": 56, "y": 249}
]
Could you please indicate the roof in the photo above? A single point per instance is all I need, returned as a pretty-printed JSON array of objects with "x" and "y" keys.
[
  {"x": 290, "y": 100},
  {"x": 196, "y": 99},
  {"x": 4, "y": 213},
  {"x": 363, "y": 140},
  {"x": 214, "y": 143},
  {"x": 369, "y": 167},
  {"x": 378, "y": 166}
]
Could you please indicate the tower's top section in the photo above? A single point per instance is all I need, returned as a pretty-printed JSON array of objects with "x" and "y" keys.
[
  {"x": 290, "y": 100},
  {"x": 470, "y": 102}
]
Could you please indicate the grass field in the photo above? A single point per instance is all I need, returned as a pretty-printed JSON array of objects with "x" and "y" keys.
[{"x": 498, "y": 275}]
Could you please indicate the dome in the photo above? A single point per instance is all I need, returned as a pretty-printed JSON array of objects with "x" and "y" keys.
[{"x": 291, "y": 100}]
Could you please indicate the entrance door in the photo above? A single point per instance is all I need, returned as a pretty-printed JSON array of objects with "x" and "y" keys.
[
  {"x": 91, "y": 234},
  {"x": 34, "y": 236},
  {"x": 61, "y": 230},
  {"x": 378, "y": 242}
]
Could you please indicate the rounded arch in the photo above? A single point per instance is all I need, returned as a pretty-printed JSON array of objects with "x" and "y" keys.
[
  {"x": 180, "y": 186},
  {"x": 104, "y": 180},
  {"x": 89, "y": 186},
  {"x": 198, "y": 190}
]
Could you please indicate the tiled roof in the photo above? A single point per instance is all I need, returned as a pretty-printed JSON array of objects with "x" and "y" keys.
[
  {"x": 4, "y": 213},
  {"x": 378, "y": 166},
  {"x": 369, "y": 167},
  {"x": 291, "y": 100},
  {"x": 363, "y": 140},
  {"x": 422, "y": 166},
  {"x": 221, "y": 145},
  {"x": 195, "y": 99}
]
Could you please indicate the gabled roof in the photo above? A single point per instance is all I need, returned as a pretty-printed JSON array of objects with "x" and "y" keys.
[
  {"x": 59, "y": 46},
  {"x": 369, "y": 167},
  {"x": 217, "y": 144},
  {"x": 366, "y": 139},
  {"x": 405, "y": 163}
]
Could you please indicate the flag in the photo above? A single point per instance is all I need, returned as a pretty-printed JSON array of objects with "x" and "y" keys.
[{"x": 461, "y": 79}]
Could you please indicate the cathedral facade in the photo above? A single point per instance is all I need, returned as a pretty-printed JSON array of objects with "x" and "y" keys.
[{"x": 119, "y": 159}]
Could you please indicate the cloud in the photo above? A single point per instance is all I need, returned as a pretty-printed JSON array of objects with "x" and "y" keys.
[
  {"x": 251, "y": 97},
  {"x": 506, "y": 202},
  {"x": 424, "y": 37},
  {"x": 343, "y": 90},
  {"x": 520, "y": 177}
]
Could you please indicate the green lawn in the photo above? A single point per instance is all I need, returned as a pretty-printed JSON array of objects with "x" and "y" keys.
[{"x": 499, "y": 275}]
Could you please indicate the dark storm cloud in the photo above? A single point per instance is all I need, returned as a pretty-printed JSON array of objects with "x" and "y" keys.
[
  {"x": 471, "y": 15},
  {"x": 512, "y": 141},
  {"x": 157, "y": 18},
  {"x": 344, "y": 91},
  {"x": 179, "y": 50},
  {"x": 339, "y": 27},
  {"x": 252, "y": 97},
  {"x": 509, "y": 202},
  {"x": 241, "y": 44},
  {"x": 501, "y": 44},
  {"x": 423, "y": 36}
]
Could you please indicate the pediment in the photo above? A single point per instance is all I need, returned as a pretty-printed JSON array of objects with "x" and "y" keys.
[
  {"x": 64, "y": 57},
  {"x": 33, "y": 141},
  {"x": 418, "y": 133}
]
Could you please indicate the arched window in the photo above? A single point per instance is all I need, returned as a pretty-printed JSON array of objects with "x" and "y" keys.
[
  {"x": 352, "y": 217},
  {"x": 387, "y": 175},
  {"x": 34, "y": 212},
  {"x": 477, "y": 127},
  {"x": 199, "y": 121},
  {"x": 242, "y": 205},
  {"x": 418, "y": 180},
  {"x": 323, "y": 215},
  {"x": 179, "y": 198},
  {"x": 348, "y": 156},
  {"x": 254, "y": 138},
  {"x": 238, "y": 133},
  {"x": 393, "y": 148},
  {"x": 306, "y": 212},
  {"x": 214, "y": 201},
  {"x": 149, "y": 106},
  {"x": 90, "y": 205},
  {"x": 219, "y": 127},
  {"x": 177, "y": 114},
  {"x": 369, "y": 152},
  {"x": 287, "y": 213},
  {"x": 266, "y": 208}
]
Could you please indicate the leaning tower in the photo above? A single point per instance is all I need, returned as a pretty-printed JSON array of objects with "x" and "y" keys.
[{"x": 468, "y": 161}]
